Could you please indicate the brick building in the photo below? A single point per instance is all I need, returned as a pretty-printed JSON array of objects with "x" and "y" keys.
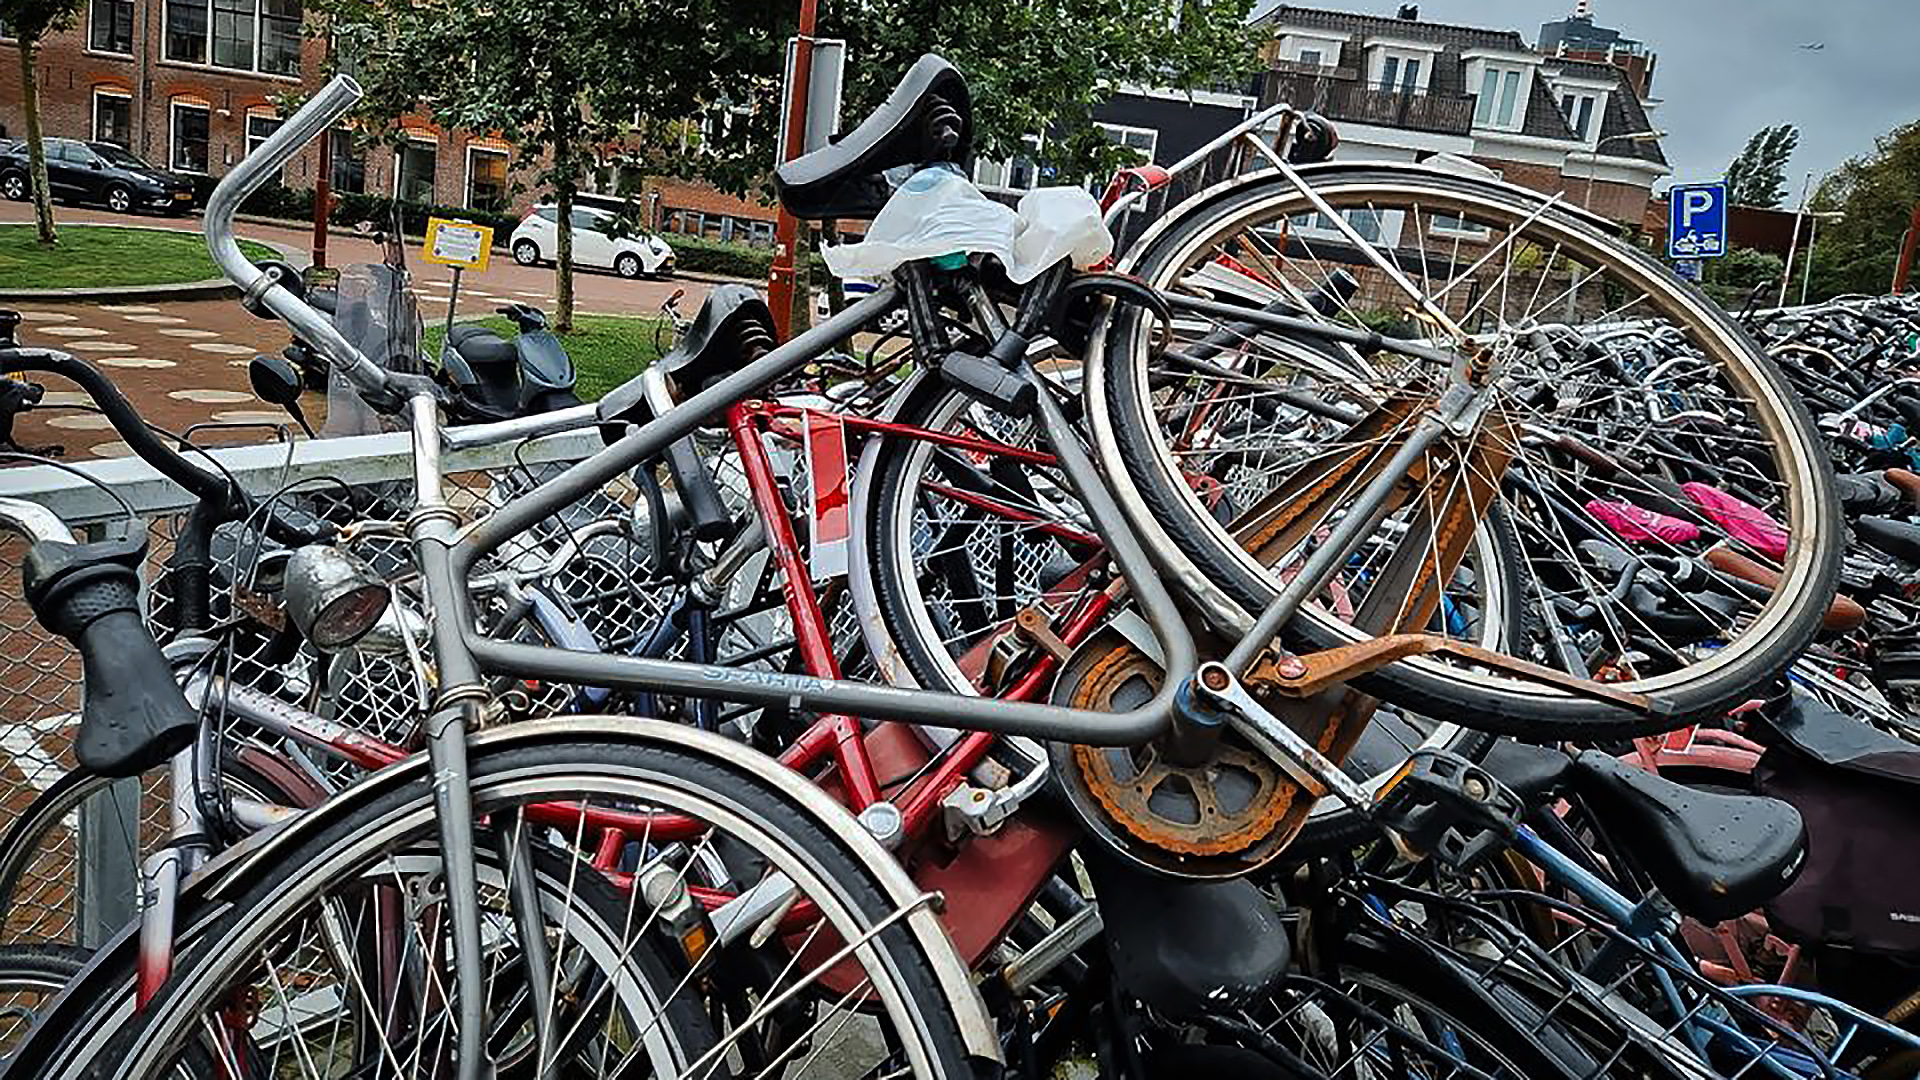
[
  {"x": 1400, "y": 88},
  {"x": 190, "y": 85}
]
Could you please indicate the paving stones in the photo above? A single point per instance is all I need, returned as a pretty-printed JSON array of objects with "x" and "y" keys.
[
  {"x": 47, "y": 316},
  {"x": 154, "y": 319},
  {"x": 189, "y": 332},
  {"x": 212, "y": 397},
  {"x": 102, "y": 346},
  {"x": 72, "y": 331},
  {"x": 225, "y": 348},
  {"x": 130, "y": 309},
  {"x": 136, "y": 362},
  {"x": 81, "y": 422}
]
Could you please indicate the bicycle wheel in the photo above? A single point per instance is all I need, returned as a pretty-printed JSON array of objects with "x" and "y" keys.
[
  {"x": 357, "y": 895},
  {"x": 30, "y": 975},
  {"x": 1237, "y": 449},
  {"x": 41, "y": 856},
  {"x": 961, "y": 541}
]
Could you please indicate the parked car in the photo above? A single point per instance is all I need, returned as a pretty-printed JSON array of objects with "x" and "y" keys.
[
  {"x": 97, "y": 173},
  {"x": 537, "y": 240}
]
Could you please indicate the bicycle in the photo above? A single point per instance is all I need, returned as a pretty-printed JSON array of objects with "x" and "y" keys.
[{"x": 447, "y": 559}]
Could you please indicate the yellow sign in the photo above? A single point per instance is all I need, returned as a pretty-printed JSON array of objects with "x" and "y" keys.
[{"x": 458, "y": 243}]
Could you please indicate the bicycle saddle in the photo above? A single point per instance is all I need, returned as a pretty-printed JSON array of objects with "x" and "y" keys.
[
  {"x": 1897, "y": 538},
  {"x": 927, "y": 118},
  {"x": 1715, "y": 856},
  {"x": 1832, "y": 737},
  {"x": 733, "y": 323},
  {"x": 1532, "y": 772}
]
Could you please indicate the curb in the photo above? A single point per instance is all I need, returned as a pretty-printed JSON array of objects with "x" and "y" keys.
[{"x": 207, "y": 289}]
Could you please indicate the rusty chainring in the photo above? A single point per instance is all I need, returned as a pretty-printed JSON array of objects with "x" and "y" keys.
[{"x": 1223, "y": 807}]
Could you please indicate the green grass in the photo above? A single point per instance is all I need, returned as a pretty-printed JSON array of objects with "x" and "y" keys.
[
  {"x": 607, "y": 350},
  {"x": 107, "y": 256}
]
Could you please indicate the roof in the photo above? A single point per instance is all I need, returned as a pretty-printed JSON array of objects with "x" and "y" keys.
[
  {"x": 1349, "y": 22},
  {"x": 1624, "y": 113}
]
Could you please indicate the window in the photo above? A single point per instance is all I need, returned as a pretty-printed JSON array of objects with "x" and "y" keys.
[
  {"x": 186, "y": 31},
  {"x": 548, "y": 214},
  {"x": 260, "y": 127},
  {"x": 1400, "y": 73},
  {"x": 247, "y": 35},
  {"x": 1499, "y": 95},
  {"x": 346, "y": 166},
  {"x": 486, "y": 179},
  {"x": 1018, "y": 173},
  {"x": 113, "y": 119},
  {"x": 1455, "y": 226},
  {"x": 187, "y": 137},
  {"x": 413, "y": 168},
  {"x": 110, "y": 26},
  {"x": 1142, "y": 141},
  {"x": 1310, "y": 56},
  {"x": 1578, "y": 109},
  {"x": 280, "y": 37}
]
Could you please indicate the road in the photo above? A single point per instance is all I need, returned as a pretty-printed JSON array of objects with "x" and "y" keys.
[
  {"x": 183, "y": 363},
  {"x": 503, "y": 282}
]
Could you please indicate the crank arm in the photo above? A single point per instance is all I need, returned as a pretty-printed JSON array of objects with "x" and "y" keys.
[{"x": 1313, "y": 770}]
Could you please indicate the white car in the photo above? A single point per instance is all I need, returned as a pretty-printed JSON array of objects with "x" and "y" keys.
[{"x": 537, "y": 240}]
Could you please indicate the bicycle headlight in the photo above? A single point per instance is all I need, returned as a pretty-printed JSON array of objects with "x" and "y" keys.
[{"x": 332, "y": 597}]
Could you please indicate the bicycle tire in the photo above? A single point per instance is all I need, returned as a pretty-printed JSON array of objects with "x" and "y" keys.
[
  {"x": 1200, "y": 555},
  {"x": 896, "y": 565},
  {"x": 27, "y": 838},
  {"x": 534, "y": 757},
  {"x": 30, "y": 974}
]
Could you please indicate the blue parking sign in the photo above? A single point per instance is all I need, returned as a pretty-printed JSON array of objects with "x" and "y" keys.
[{"x": 1697, "y": 221}]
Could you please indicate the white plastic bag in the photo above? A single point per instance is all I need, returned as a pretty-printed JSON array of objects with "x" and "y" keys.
[{"x": 939, "y": 212}]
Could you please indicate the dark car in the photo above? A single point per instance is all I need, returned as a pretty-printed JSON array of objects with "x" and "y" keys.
[{"x": 97, "y": 173}]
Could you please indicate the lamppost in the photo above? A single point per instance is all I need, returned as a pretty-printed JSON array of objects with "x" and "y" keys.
[
  {"x": 1813, "y": 237},
  {"x": 1593, "y": 162}
]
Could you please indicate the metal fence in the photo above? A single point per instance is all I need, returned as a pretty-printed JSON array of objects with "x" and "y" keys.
[{"x": 77, "y": 882}]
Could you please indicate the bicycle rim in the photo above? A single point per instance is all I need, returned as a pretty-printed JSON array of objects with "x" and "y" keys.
[{"x": 1265, "y": 241}]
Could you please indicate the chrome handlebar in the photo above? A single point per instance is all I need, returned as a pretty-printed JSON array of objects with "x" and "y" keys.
[{"x": 262, "y": 288}]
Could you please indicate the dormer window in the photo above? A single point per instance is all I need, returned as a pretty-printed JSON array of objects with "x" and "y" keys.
[
  {"x": 1579, "y": 108},
  {"x": 1400, "y": 73},
  {"x": 1499, "y": 101}
]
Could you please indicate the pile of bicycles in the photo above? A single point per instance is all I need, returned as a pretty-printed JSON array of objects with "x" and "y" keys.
[{"x": 1381, "y": 624}]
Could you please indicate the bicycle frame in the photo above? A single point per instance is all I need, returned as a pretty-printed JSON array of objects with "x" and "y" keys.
[{"x": 1642, "y": 921}]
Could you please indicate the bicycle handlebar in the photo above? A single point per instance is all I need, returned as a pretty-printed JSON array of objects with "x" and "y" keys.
[
  {"x": 261, "y": 288},
  {"x": 229, "y": 500}
]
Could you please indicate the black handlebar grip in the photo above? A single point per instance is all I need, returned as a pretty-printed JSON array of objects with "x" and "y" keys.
[
  {"x": 1909, "y": 410},
  {"x": 707, "y": 516},
  {"x": 133, "y": 715}
]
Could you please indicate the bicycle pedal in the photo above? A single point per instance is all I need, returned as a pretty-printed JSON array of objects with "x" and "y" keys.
[{"x": 1439, "y": 804}]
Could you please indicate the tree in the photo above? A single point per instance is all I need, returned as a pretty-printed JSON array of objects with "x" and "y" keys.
[
  {"x": 30, "y": 21},
  {"x": 561, "y": 81},
  {"x": 1875, "y": 195},
  {"x": 1758, "y": 176}
]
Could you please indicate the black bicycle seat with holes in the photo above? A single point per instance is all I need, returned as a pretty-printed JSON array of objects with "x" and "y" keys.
[
  {"x": 1897, "y": 538},
  {"x": 1715, "y": 856},
  {"x": 926, "y": 119}
]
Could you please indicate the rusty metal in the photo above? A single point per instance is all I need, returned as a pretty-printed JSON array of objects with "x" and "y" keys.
[
  {"x": 1224, "y": 806},
  {"x": 260, "y": 608},
  {"x": 1329, "y": 668},
  {"x": 1032, "y": 625}
]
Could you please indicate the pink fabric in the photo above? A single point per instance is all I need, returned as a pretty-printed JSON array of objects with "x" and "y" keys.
[
  {"x": 1743, "y": 521},
  {"x": 1638, "y": 525}
]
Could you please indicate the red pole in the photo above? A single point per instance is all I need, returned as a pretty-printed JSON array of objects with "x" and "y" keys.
[
  {"x": 1907, "y": 248},
  {"x": 780, "y": 276}
]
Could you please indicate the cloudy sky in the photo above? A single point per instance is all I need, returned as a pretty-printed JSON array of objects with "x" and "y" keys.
[{"x": 1730, "y": 67}]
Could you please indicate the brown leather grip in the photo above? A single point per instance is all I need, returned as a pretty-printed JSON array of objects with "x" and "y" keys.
[
  {"x": 1842, "y": 615},
  {"x": 1908, "y": 483}
]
